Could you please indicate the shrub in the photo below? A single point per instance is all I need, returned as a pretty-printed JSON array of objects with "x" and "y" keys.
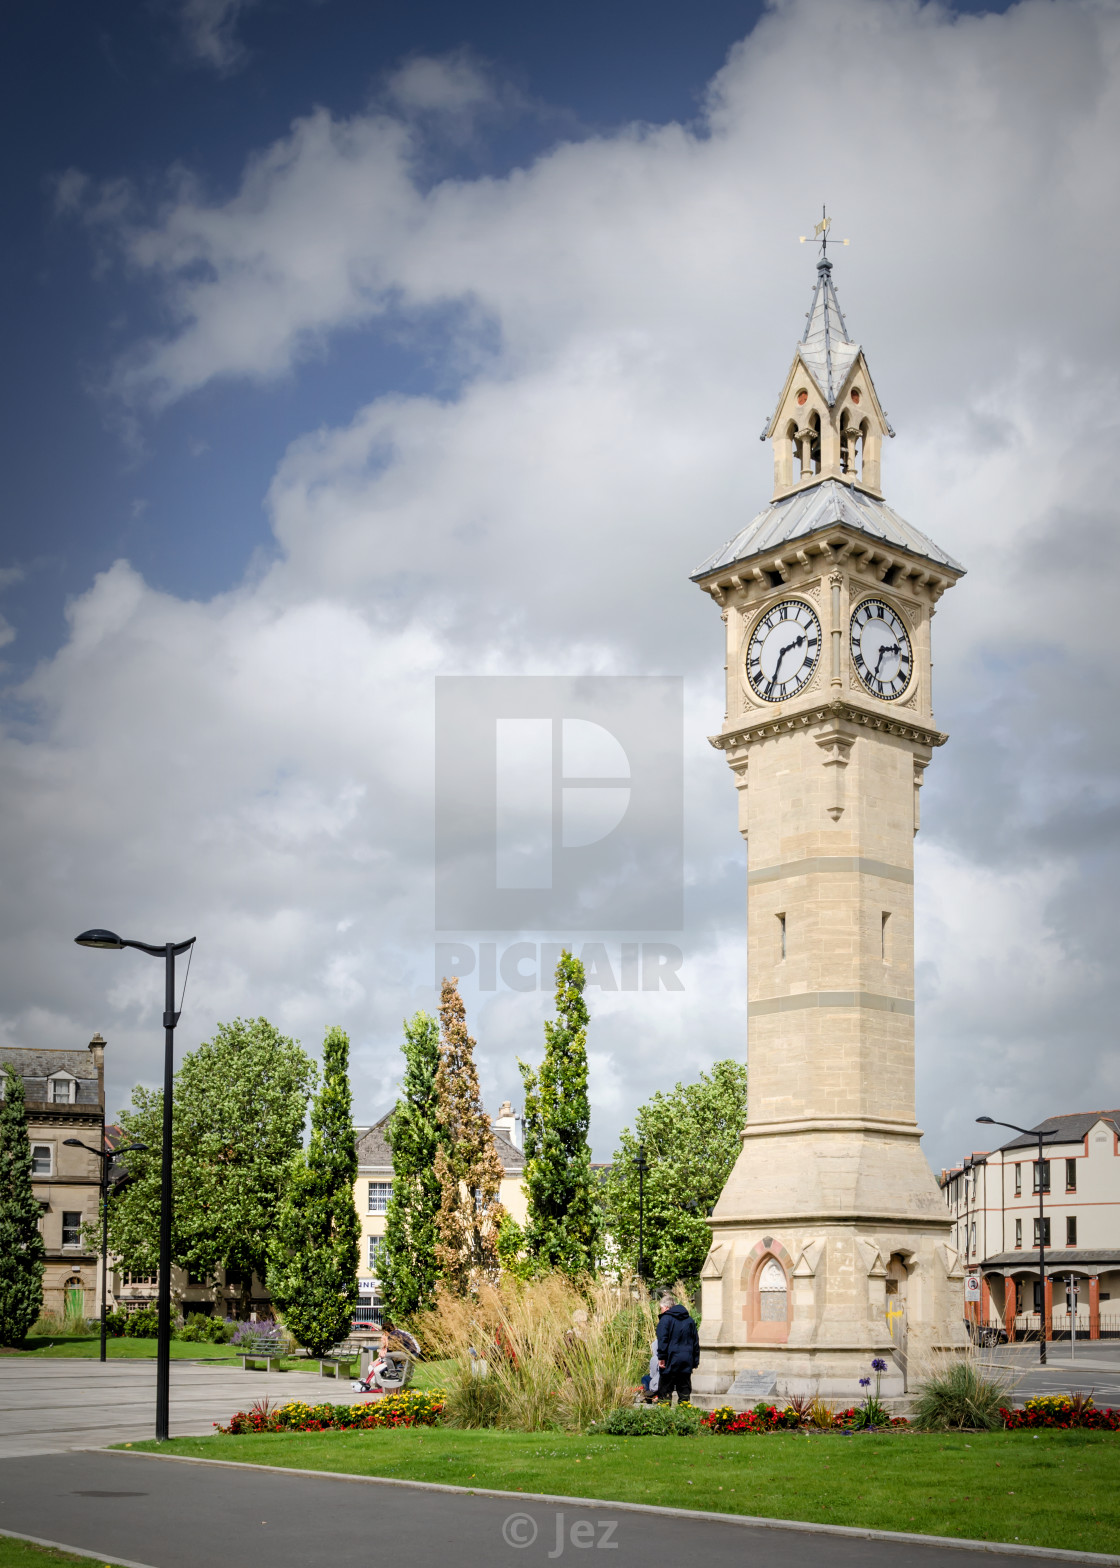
[
  {"x": 414, "y": 1407},
  {"x": 1062, "y": 1411},
  {"x": 144, "y": 1323},
  {"x": 960, "y": 1396},
  {"x": 202, "y": 1329},
  {"x": 650, "y": 1421},
  {"x": 266, "y": 1331},
  {"x": 116, "y": 1324}
]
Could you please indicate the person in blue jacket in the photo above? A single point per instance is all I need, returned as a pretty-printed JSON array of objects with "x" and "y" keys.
[{"x": 678, "y": 1351}]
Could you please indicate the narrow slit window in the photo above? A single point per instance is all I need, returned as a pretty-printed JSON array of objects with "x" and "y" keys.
[
  {"x": 1018, "y": 1233},
  {"x": 1018, "y": 1181},
  {"x": 782, "y": 934},
  {"x": 884, "y": 937},
  {"x": 1071, "y": 1230},
  {"x": 1071, "y": 1175}
]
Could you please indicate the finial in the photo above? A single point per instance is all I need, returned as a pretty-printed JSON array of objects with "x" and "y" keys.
[{"x": 820, "y": 232}]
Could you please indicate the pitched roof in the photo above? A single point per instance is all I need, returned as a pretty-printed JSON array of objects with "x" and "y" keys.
[
  {"x": 33, "y": 1061},
  {"x": 1071, "y": 1129},
  {"x": 826, "y": 348},
  {"x": 375, "y": 1151},
  {"x": 823, "y": 506}
]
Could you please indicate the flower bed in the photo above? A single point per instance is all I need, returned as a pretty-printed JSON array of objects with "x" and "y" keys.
[
  {"x": 1061, "y": 1411},
  {"x": 769, "y": 1418},
  {"x": 415, "y": 1407}
]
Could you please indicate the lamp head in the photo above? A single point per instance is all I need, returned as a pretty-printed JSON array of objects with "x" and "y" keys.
[
  {"x": 134, "y": 1148},
  {"x": 987, "y": 1120},
  {"x": 73, "y": 1143},
  {"x": 99, "y": 938}
]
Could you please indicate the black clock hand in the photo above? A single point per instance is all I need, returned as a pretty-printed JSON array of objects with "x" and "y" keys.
[
  {"x": 789, "y": 647},
  {"x": 891, "y": 648}
]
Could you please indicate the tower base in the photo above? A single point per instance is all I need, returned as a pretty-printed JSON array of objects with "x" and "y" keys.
[{"x": 856, "y": 1226}]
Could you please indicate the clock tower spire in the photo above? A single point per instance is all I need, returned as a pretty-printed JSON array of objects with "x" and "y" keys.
[{"x": 830, "y": 1243}]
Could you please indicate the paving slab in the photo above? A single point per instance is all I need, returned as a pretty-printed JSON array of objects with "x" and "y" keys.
[{"x": 50, "y": 1406}]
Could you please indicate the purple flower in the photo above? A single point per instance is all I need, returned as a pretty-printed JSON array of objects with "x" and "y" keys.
[
  {"x": 878, "y": 1365},
  {"x": 865, "y": 1382}
]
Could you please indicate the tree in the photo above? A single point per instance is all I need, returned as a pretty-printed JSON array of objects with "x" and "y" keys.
[
  {"x": 313, "y": 1257},
  {"x": 240, "y": 1104},
  {"x": 21, "y": 1246},
  {"x": 406, "y": 1264},
  {"x": 467, "y": 1163},
  {"x": 562, "y": 1229},
  {"x": 691, "y": 1140}
]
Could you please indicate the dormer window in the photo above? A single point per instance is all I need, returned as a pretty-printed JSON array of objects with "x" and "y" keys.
[
  {"x": 63, "y": 1090},
  {"x": 855, "y": 396}
]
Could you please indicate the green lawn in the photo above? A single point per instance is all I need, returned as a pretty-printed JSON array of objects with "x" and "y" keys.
[
  {"x": 1057, "y": 1489},
  {"x": 22, "y": 1554},
  {"x": 88, "y": 1347}
]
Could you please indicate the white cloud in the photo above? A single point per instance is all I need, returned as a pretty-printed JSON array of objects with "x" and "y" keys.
[
  {"x": 258, "y": 767},
  {"x": 209, "y": 31}
]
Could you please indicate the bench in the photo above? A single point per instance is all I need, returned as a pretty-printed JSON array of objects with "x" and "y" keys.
[{"x": 263, "y": 1348}]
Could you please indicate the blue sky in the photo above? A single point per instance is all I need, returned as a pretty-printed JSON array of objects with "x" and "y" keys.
[{"x": 351, "y": 345}]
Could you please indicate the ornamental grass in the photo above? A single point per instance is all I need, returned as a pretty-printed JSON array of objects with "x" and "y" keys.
[
  {"x": 544, "y": 1353},
  {"x": 962, "y": 1393}
]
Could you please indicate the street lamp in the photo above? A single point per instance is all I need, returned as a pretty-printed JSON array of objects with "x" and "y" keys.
[
  {"x": 642, "y": 1165},
  {"x": 106, "y": 1161},
  {"x": 1032, "y": 1132},
  {"x": 167, "y": 951}
]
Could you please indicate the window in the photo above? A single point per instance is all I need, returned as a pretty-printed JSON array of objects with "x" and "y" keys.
[
  {"x": 1071, "y": 1230},
  {"x": 1018, "y": 1181},
  {"x": 1041, "y": 1169},
  {"x": 1018, "y": 1233},
  {"x": 772, "y": 1293},
  {"x": 130, "y": 1277},
  {"x": 71, "y": 1227},
  {"x": 40, "y": 1159},
  {"x": 1071, "y": 1175},
  {"x": 62, "y": 1091},
  {"x": 1045, "y": 1228},
  {"x": 782, "y": 934},
  {"x": 375, "y": 1245},
  {"x": 972, "y": 1239},
  {"x": 379, "y": 1194},
  {"x": 884, "y": 949}
]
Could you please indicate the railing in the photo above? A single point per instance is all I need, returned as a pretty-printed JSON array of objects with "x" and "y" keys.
[
  {"x": 1027, "y": 1326},
  {"x": 367, "y": 1316}
]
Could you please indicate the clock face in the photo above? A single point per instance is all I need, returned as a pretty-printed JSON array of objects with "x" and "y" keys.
[
  {"x": 783, "y": 651},
  {"x": 881, "y": 649}
]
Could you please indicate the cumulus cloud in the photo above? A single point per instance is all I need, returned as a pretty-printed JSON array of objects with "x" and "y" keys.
[{"x": 616, "y": 320}]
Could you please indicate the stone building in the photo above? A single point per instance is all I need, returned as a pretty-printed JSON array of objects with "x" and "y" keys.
[
  {"x": 830, "y": 1241},
  {"x": 374, "y": 1188},
  {"x": 65, "y": 1093},
  {"x": 993, "y": 1200}
]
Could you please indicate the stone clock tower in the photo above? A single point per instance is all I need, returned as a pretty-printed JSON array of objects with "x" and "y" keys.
[{"x": 830, "y": 1242}]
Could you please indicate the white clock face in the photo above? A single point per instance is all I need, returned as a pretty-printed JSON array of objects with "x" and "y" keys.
[
  {"x": 881, "y": 649},
  {"x": 783, "y": 651}
]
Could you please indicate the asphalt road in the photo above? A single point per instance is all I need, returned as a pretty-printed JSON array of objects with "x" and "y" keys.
[
  {"x": 1094, "y": 1366},
  {"x": 161, "y": 1513}
]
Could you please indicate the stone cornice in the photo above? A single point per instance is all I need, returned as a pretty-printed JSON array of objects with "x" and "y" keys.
[{"x": 768, "y": 726}]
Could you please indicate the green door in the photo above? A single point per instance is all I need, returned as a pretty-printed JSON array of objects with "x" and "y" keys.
[{"x": 75, "y": 1301}]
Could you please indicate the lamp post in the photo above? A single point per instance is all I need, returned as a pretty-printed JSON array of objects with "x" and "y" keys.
[
  {"x": 168, "y": 952},
  {"x": 106, "y": 1160},
  {"x": 642, "y": 1165},
  {"x": 1033, "y": 1132}
]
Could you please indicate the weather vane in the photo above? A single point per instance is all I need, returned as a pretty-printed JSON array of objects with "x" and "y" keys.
[{"x": 821, "y": 232}]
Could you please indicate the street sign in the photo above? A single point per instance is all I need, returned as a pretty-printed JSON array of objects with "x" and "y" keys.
[{"x": 972, "y": 1287}]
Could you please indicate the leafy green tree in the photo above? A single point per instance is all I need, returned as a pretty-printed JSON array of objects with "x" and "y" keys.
[
  {"x": 562, "y": 1231},
  {"x": 467, "y": 1163},
  {"x": 313, "y": 1257},
  {"x": 406, "y": 1263},
  {"x": 240, "y": 1104},
  {"x": 21, "y": 1246},
  {"x": 691, "y": 1140}
]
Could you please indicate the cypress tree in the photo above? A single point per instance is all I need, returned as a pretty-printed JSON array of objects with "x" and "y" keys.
[
  {"x": 467, "y": 1162},
  {"x": 313, "y": 1260},
  {"x": 562, "y": 1231},
  {"x": 21, "y": 1245},
  {"x": 407, "y": 1266}
]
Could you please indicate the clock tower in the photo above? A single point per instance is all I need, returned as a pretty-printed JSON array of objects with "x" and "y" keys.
[{"x": 830, "y": 1242}]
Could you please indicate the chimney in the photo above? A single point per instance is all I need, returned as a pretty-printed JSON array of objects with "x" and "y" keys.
[
  {"x": 509, "y": 1122},
  {"x": 97, "y": 1051}
]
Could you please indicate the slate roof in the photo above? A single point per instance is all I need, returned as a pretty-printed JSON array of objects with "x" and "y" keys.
[
  {"x": 828, "y": 351},
  {"x": 1071, "y": 1129},
  {"x": 1057, "y": 1258},
  {"x": 824, "y": 505},
  {"x": 375, "y": 1151},
  {"x": 32, "y": 1061}
]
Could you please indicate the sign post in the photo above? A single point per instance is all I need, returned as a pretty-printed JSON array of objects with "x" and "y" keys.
[{"x": 1072, "y": 1287}]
